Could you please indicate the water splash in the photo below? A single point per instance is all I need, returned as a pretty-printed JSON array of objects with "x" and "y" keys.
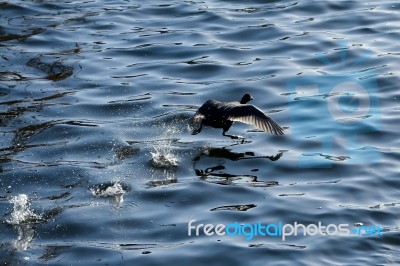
[
  {"x": 113, "y": 190},
  {"x": 162, "y": 154},
  {"x": 163, "y": 158},
  {"x": 26, "y": 234},
  {"x": 22, "y": 212}
]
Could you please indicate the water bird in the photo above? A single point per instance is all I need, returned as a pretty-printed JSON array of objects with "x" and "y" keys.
[{"x": 222, "y": 115}]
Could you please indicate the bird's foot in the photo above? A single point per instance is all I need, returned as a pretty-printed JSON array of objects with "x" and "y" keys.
[
  {"x": 276, "y": 157},
  {"x": 195, "y": 132},
  {"x": 236, "y": 137},
  {"x": 240, "y": 138}
]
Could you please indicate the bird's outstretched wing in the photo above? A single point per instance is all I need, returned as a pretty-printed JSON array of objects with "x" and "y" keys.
[{"x": 249, "y": 114}]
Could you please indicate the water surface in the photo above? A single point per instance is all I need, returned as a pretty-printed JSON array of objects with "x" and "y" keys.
[{"x": 97, "y": 163}]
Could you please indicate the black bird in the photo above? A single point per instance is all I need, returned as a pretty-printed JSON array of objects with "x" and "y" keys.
[{"x": 223, "y": 114}]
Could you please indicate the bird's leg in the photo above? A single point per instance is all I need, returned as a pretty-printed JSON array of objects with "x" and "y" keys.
[
  {"x": 197, "y": 131},
  {"x": 232, "y": 136}
]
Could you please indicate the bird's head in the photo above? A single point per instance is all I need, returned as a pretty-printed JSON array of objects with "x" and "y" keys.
[{"x": 246, "y": 98}]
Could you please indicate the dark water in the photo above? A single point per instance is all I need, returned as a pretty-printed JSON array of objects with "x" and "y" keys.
[{"x": 97, "y": 164}]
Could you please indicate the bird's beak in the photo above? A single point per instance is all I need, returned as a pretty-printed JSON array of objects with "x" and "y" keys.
[{"x": 251, "y": 98}]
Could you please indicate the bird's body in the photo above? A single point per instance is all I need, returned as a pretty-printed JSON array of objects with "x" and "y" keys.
[
  {"x": 222, "y": 115},
  {"x": 213, "y": 113}
]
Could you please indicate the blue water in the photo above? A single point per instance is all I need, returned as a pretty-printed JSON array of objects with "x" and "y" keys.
[{"x": 97, "y": 163}]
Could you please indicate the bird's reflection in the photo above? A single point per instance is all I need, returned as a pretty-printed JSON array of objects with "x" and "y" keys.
[
  {"x": 217, "y": 174},
  {"x": 233, "y": 156}
]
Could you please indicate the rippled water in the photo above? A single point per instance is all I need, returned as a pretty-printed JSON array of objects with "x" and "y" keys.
[{"x": 97, "y": 164}]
